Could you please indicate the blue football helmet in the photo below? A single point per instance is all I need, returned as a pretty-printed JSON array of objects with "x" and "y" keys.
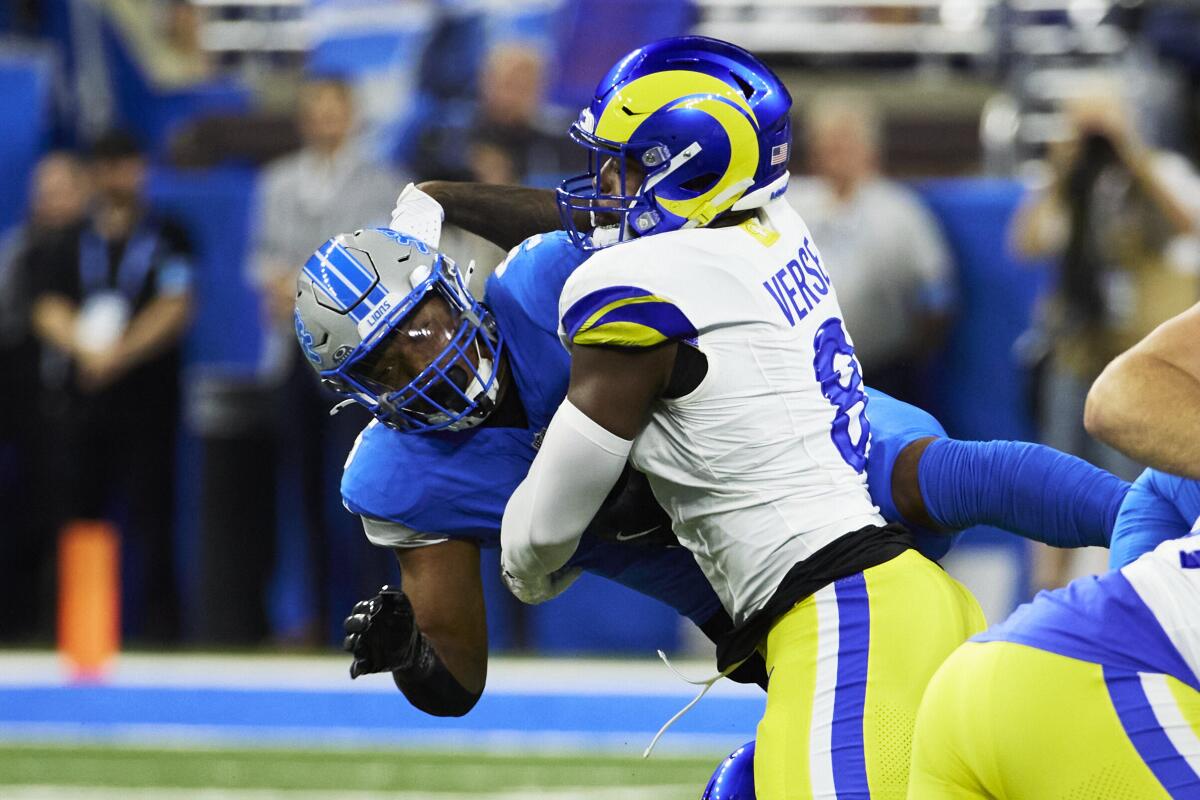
[
  {"x": 707, "y": 122},
  {"x": 388, "y": 321},
  {"x": 734, "y": 778}
]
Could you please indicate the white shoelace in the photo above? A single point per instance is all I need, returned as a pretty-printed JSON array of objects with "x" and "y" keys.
[{"x": 707, "y": 683}]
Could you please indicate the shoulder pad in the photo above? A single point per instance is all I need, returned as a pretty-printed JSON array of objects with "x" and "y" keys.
[{"x": 626, "y": 316}]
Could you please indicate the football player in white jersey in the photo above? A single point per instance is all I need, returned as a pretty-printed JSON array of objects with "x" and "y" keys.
[
  {"x": 708, "y": 350},
  {"x": 1092, "y": 690}
]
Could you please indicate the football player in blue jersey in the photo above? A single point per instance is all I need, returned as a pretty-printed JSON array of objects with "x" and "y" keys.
[{"x": 461, "y": 393}]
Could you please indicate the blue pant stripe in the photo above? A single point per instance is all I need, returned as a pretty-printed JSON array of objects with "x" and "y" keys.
[
  {"x": 854, "y": 640},
  {"x": 1148, "y": 738}
]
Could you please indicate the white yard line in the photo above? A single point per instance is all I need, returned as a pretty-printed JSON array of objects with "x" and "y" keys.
[
  {"x": 498, "y": 742},
  {"x": 544, "y": 676},
  {"x": 53, "y": 792}
]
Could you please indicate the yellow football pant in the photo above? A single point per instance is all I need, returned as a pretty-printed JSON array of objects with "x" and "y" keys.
[
  {"x": 848, "y": 666},
  {"x": 1003, "y": 720}
]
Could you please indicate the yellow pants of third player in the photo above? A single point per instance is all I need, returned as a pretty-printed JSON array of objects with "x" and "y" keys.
[
  {"x": 1003, "y": 720},
  {"x": 848, "y": 666}
]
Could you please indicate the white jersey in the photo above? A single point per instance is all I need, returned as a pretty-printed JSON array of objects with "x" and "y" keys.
[
  {"x": 763, "y": 464},
  {"x": 1167, "y": 580},
  {"x": 1142, "y": 617}
]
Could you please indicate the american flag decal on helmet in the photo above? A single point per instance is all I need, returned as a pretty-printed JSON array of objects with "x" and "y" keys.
[{"x": 779, "y": 154}]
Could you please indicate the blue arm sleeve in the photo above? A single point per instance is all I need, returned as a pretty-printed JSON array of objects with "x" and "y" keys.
[
  {"x": 1147, "y": 518},
  {"x": 1028, "y": 489}
]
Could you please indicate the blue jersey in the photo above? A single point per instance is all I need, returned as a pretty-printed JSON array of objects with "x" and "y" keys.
[
  {"x": 456, "y": 485},
  {"x": 1158, "y": 507},
  {"x": 894, "y": 426}
]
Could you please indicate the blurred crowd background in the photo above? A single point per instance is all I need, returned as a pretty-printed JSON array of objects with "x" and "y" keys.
[{"x": 1005, "y": 191}]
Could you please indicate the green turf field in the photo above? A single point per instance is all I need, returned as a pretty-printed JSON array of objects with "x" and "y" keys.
[{"x": 129, "y": 773}]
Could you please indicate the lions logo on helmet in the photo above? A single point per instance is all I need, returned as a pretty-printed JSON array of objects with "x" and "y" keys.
[
  {"x": 706, "y": 121},
  {"x": 388, "y": 321}
]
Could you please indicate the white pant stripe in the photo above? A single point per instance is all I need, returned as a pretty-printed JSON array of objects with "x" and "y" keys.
[
  {"x": 820, "y": 753},
  {"x": 1171, "y": 719}
]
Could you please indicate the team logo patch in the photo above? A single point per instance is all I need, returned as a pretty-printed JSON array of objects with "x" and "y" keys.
[
  {"x": 404, "y": 238},
  {"x": 587, "y": 121},
  {"x": 306, "y": 341}
]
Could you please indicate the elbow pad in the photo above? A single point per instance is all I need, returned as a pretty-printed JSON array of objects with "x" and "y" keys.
[{"x": 431, "y": 687}]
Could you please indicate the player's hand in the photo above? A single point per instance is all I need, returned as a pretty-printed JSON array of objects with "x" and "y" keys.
[
  {"x": 419, "y": 215},
  {"x": 381, "y": 633},
  {"x": 539, "y": 588}
]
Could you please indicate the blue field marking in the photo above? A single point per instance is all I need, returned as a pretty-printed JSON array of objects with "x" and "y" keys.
[
  {"x": 191, "y": 699},
  {"x": 98, "y": 705},
  {"x": 321, "y": 718}
]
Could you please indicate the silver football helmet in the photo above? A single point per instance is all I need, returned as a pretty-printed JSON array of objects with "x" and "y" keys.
[{"x": 389, "y": 321}]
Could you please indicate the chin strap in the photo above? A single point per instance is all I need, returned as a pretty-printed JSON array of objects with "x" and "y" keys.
[
  {"x": 333, "y": 411},
  {"x": 760, "y": 197},
  {"x": 707, "y": 683}
]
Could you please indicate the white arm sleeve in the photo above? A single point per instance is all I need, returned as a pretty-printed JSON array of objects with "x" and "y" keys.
[{"x": 577, "y": 465}]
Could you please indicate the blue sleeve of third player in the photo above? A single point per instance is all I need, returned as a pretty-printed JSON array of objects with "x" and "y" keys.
[
  {"x": 1029, "y": 489},
  {"x": 1149, "y": 516}
]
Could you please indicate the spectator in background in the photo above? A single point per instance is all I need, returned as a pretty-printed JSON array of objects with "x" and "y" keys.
[
  {"x": 513, "y": 139},
  {"x": 506, "y": 134},
  {"x": 328, "y": 185},
  {"x": 111, "y": 301},
  {"x": 883, "y": 248},
  {"x": 58, "y": 199},
  {"x": 1119, "y": 221},
  {"x": 165, "y": 39}
]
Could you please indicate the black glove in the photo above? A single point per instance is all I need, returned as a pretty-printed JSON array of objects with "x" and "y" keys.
[
  {"x": 631, "y": 515},
  {"x": 382, "y": 634}
]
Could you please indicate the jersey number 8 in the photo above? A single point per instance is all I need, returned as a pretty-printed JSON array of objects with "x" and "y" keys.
[{"x": 838, "y": 373}]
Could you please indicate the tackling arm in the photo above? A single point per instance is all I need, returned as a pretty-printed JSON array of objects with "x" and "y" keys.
[
  {"x": 504, "y": 215},
  {"x": 581, "y": 458},
  {"x": 432, "y": 636},
  {"x": 1146, "y": 403}
]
